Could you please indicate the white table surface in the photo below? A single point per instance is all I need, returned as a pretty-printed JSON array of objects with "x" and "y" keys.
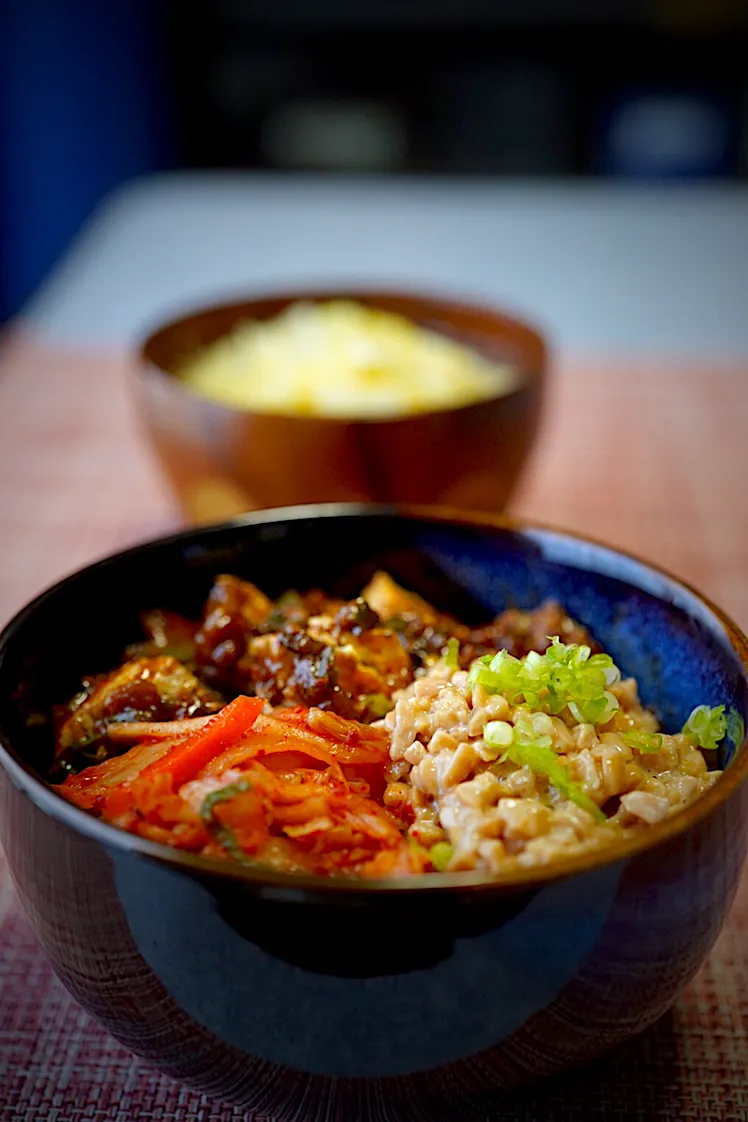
[{"x": 602, "y": 267}]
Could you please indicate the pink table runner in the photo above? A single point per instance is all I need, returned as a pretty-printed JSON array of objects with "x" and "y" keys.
[{"x": 650, "y": 456}]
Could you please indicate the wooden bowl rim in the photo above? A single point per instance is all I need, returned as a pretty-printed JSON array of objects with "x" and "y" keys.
[{"x": 159, "y": 354}]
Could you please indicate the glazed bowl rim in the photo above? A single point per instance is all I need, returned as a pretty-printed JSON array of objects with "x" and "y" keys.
[
  {"x": 259, "y": 877},
  {"x": 530, "y": 373}
]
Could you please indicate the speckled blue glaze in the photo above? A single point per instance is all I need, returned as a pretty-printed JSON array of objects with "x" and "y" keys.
[
  {"x": 306, "y": 1000},
  {"x": 335, "y": 1025},
  {"x": 658, "y": 631}
]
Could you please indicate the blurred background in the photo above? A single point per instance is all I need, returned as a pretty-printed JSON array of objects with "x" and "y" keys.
[{"x": 93, "y": 94}]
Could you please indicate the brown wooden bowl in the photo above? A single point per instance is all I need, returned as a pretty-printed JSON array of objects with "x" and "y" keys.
[{"x": 223, "y": 460}]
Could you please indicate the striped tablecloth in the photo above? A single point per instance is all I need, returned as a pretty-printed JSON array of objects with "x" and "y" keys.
[{"x": 651, "y": 455}]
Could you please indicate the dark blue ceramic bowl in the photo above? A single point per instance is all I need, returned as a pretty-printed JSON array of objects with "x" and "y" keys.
[{"x": 308, "y": 998}]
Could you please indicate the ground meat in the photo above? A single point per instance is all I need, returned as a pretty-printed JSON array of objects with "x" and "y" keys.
[
  {"x": 348, "y": 656},
  {"x": 521, "y": 632},
  {"x": 308, "y": 649},
  {"x": 145, "y": 689},
  {"x": 290, "y": 667},
  {"x": 425, "y": 631},
  {"x": 167, "y": 634},
  {"x": 514, "y": 631},
  {"x": 347, "y": 663},
  {"x": 305, "y": 649},
  {"x": 233, "y": 610},
  {"x": 235, "y": 613}
]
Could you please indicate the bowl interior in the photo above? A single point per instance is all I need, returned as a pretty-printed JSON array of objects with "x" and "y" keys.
[
  {"x": 658, "y": 631},
  {"x": 497, "y": 336}
]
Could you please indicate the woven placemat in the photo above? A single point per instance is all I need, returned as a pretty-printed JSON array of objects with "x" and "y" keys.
[
  {"x": 79, "y": 482},
  {"x": 58, "y": 1066}
]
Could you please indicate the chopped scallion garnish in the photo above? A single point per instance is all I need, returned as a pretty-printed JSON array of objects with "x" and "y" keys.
[
  {"x": 735, "y": 728},
  {"x": 377, "y": 705},
  {"x": 642, "y": 741},
  {"x": 223, "y": 833},
  {"x": 531, "y": 745},
  {"x": 222, "y": 795},
  {"x": 499, "y": 734},
  {"x": 440, "y": 856},
  {"x": 567, "y": 675},
  {"x": 707, "y": 726},
  {"x": 451, "y": 654}
]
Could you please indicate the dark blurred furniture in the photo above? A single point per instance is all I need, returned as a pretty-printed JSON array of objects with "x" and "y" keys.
[
  {"x": 92, "y": 94},
  {"x": 633, "y": 88}
]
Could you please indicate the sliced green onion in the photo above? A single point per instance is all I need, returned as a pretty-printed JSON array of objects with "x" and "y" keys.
[
  {"x": 223, "y": 834},
  {"x": 222, "y": 795},
  {"x": 498, "y": 734},
  {"x": 526, "y": 731},
  {"x": 594, "y": 710},
  {"x": 567, "y": 675},
  {"x": 451, "y": 654},
  {"x": 530, "y": 744},
  {"x": 377, "y": 704},
  {"x": 642, "y": 741},
  {"x": 440, "y": 855},
  {"x": 542, "y": 759},
  {"x": 735, "y": 728},
  {"x": 706, "y": 726},
  {"x": 481, "y": 675},
  {"x": 542, "y": 725}
]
